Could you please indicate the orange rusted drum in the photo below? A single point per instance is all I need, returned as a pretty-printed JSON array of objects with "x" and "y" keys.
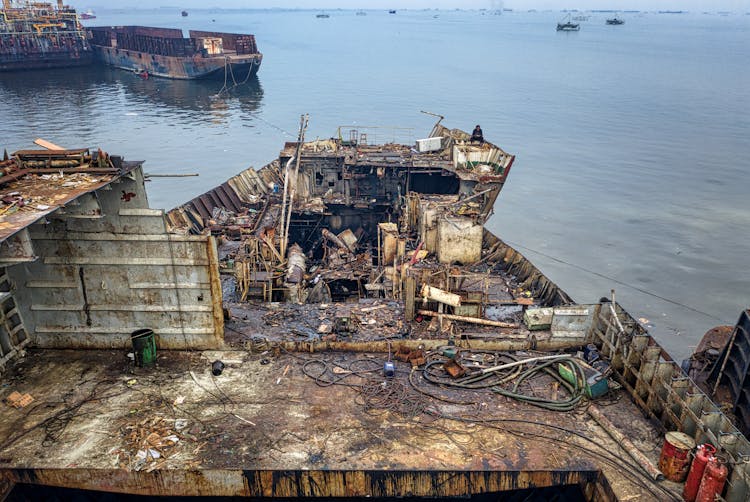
[{"x": 674, "y": 460}]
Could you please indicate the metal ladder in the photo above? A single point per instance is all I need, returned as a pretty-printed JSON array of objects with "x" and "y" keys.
[{"x": 13, "y": 334}]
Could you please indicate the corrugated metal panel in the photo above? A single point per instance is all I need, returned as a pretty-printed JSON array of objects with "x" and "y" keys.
[
  {"x": 235, "y": 194},
  {"x": 733, "y": 370}
]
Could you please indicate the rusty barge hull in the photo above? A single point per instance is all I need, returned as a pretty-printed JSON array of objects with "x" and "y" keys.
[
  {"x": 303, "y": 278},
  {"x": 37, "y": 36},
  {"x": 163, "y": 52},
  {"x": 65, "y": 58}
]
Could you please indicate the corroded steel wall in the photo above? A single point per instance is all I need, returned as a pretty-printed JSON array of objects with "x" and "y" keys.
[
  {"x": 294, "y": 483},
  {"x": 668, "y": 396},
  {"x": 106, "y": 267},
  {"x": 242, "y": 43}
]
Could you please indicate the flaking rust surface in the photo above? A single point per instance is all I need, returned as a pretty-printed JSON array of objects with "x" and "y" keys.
[{"x": 94, "y": 410}]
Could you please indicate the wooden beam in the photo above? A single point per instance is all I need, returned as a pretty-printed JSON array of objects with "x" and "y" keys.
[
  {"x": 473, "y": 320},
  {"x": 48, "y": 144}
]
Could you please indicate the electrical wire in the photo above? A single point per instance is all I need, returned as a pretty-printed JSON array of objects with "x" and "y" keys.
[{"x": 324, "y": 374}]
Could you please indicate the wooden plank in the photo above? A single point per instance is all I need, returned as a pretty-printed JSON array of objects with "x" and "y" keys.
[{"x": 47, "y": 144}]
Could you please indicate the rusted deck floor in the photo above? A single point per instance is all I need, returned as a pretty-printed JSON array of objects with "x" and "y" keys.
[{"x": 265, "y": 427}]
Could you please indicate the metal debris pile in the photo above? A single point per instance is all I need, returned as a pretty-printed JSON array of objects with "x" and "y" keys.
[
  {"x": 150, "y": 443},
  {"x": 36, "y": 180}
]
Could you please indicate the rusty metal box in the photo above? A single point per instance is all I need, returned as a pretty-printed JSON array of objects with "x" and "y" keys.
[{"x": 536, "y": 319}]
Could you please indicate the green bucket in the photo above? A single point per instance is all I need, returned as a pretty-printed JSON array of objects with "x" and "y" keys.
[{"x": 144, "y": 347}]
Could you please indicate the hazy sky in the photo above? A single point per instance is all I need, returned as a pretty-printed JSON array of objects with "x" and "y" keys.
[{"x": 693, "y": 5}]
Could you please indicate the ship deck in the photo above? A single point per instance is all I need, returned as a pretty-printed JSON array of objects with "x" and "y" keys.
[
  {"x": 298, "y": 397},
  {"x": 276, "y": 423}
]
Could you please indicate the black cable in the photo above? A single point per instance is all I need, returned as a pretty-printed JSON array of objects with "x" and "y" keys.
[
  {"x": 631, "y": 470},
  {"x": 636, "y": 288}
]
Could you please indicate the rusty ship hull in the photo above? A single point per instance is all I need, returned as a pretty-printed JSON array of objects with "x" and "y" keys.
[
  {"x": 45, "y": 60},
  {"x": 355, "y": 303},
  {"x": 37, "y": 36},
  {"x": 163, "y": 52}
]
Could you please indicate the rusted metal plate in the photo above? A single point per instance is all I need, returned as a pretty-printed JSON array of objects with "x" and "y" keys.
[
  {"x": 46, "y": 198},
  {"x": 267, "y": 429}
]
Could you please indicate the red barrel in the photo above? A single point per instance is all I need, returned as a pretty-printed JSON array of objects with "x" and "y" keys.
[
  {"x": 714, "y": 478},
  {"x": 674, "y": 460},
  {"x": 705, "y": 452}
]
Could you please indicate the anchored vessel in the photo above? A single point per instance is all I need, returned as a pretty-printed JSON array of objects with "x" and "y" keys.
[
  {"x": 352, "y": 329},
  {"x": 35, "y": 35},
  {"x": 164, "y": 52}
]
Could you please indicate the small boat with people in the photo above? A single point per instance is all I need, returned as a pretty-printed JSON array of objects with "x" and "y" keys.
[
  {"x": 615, "y": 21},
  {"x": 567, "y": 25}
]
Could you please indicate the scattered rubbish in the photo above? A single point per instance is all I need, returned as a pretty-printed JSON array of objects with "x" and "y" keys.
[
  {"x": 416, "y": 357},
  {"x": 179, "y": 400},
  {"x": 286, "y": 370},
  {"x": 152, "y": 440},
  {"x": 131, "y": 382},
  {"x": 453, "y": 368},
  {"x": 217, "y": 367},
  {"x": 389, "y": 369},
  {"x": 18, "y": 400},
  {"x": 243, "y": 419},
  {"x": 180, "y": 423}
]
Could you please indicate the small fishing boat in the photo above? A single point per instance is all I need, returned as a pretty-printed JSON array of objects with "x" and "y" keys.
[
  {"x": 568, "y": 25},
  {"x": 322, "y": 15},
  {"x": 615, "y": 21}
]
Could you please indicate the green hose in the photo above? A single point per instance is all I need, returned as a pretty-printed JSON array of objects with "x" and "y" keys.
[
  {"x": 577, "y": 393},
  {"x": 495, "y": 379}
]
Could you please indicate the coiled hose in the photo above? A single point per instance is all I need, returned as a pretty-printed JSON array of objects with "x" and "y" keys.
[{"x": 496, "y": 378}]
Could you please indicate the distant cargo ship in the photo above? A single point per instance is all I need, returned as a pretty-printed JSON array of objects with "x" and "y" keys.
[
  {"x": 164, "y": 52},
  {"x": 36, "y": 35}
]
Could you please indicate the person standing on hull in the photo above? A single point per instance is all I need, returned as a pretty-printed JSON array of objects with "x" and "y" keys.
[{"x": 477, "y": 136}]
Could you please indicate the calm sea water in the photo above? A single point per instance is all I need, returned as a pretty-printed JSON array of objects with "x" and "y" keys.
[{"x": 632, "y": 141}]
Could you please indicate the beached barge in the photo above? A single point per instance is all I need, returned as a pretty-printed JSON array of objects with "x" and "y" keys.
[
  {"x": 345, "y": 313},
  {"x": 164, "y": 52},
  {"x": 36, "y": 35}
]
